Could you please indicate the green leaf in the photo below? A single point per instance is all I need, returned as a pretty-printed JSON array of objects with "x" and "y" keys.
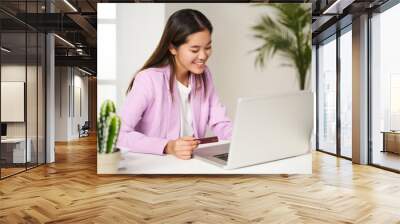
[{"x": 289, "y": 34}]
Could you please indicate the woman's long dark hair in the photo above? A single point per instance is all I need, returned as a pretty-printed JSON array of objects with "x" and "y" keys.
[{"x": 179, "y": 26}]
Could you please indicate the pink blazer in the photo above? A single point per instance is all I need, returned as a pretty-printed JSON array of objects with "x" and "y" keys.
[{"x": 150, "y": 118}]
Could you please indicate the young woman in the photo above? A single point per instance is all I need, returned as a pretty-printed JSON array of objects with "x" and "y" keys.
[{"x": 171, "y": 101}]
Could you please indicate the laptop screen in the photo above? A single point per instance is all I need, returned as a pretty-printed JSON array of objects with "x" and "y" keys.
[{"x": 3, "y": 129}]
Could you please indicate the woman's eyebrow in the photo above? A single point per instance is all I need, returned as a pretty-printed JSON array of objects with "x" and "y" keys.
[{"x": 197, "y": 46}]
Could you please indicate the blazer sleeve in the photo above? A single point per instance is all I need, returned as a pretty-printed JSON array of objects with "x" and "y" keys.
[
  {"x": 136, "y": 103},
  {"x": 219, "y": 122}
]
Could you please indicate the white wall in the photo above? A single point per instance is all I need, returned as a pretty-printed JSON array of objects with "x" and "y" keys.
[
  {"x": 33, "y": 126},
  {"x": 136, "y": 40},
  {"x": 66, "y": 121},
  {"x": 79, "y": 117},
  {"x": 61, "y": 103},
  {"x": 12, "y": 73}
]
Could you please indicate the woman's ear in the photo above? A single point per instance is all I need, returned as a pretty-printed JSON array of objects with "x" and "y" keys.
[{"x": 172, "y": 49}]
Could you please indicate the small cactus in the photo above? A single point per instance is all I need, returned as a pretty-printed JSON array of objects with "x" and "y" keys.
[{"x": 108, "y": 125}]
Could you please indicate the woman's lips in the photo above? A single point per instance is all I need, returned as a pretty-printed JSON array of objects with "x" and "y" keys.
[{"x": 199, "y": 64}]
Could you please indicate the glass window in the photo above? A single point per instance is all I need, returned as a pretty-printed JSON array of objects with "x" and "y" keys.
[
  {"x": 314, "y": 89},
  {"x": 13, "y": 87},
  {"x": 22, "y": 92},
  {"x": 346, "y": 93},
  {"x": 41, "y": 79},
  {"x": 107, "y": 52},
  {"x": 327, "y": 96},
  {"x": 106, "y": 92},
  {"x": 385, "y": 87},
  {"x": 394, "y": 101},
  {"x": 31, "y": 100}
]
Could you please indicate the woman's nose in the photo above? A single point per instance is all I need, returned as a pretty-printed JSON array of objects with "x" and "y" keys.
[{"x": 203, "y": 55}]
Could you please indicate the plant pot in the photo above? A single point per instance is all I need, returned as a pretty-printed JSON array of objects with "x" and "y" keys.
[{"x": 107, "y": 163}]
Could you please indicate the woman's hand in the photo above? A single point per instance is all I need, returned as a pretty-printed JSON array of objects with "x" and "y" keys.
[{"x": 182, "y": 147}]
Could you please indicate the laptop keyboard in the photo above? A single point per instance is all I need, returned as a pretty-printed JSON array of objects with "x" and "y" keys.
[{"x": 223, "y": 156}]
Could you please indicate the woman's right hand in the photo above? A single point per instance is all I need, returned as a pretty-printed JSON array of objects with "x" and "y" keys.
[{"x": 182, "y": 147}]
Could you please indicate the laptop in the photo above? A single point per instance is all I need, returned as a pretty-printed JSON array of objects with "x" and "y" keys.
[{"x": 266, "y": 129}]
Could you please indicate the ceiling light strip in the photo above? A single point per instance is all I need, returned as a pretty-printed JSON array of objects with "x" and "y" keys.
[
  {"x": 84, "y": 71},
  {"x": 70, "y": 5},
  {"x": 337, "y": 7},
  {"x": 64, "y": 40},
  {"x": 5, "y": 49}
]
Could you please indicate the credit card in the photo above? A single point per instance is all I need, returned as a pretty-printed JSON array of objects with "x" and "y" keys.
[{"x": 208, "y": 140}]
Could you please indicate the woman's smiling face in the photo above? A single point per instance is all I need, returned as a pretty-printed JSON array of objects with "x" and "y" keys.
[{"x": 192, "y": 55}]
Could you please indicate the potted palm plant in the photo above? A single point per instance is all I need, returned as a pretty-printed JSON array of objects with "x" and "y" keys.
[
  {"x": 108, "y": 155},
  {"x": 289, "y": 34}
]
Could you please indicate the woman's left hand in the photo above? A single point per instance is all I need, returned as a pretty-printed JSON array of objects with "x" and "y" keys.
[{"x": 182, "y": 147}]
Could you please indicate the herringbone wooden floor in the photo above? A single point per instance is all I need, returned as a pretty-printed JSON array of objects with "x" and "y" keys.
[{"x": 70, "y": 191}]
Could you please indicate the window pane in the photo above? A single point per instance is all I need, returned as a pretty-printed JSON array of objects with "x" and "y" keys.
[
  {"x": 105, "y": 92},
  {"x": 13, "y": 84},
  {"x": 385, "y": 89},
  {"x": 41, "y": 98},
  {"x": 394, "y": 101},
  {"x": 106, "y": 52},
  {"x": 346, "y": 94},
  {"x": 327, "y": 97},
  {"x": 32, "y": 98}
]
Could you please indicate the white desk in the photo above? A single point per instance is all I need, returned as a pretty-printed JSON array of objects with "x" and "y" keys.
[
  {"x": 19, "y": 149},
  {"x": 137, "y": 163}
]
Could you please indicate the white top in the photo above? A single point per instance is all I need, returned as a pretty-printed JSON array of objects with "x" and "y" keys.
[{"x": 186, "y": 110}]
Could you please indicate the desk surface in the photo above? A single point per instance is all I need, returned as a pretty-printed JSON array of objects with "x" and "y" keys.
[
  {"x": 13, "y": 140},
  {"x": 137, "y": 163},
  {"x": 390, "y": 132}
]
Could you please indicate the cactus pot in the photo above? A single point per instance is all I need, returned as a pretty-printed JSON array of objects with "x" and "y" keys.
[{"x": 107, "y": 163}]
